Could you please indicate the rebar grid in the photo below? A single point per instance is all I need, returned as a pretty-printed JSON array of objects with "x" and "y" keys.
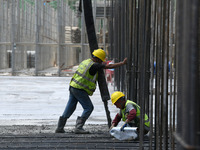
[
  {"x": 67, "y": 141},
  {"x": 144, "y": 31}
]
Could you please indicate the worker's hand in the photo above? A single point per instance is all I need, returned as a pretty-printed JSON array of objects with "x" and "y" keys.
[
  {"x": 125, "y": 61},
  {"x": 124, "y": 125},
  {"x": 112, "y": 126}
]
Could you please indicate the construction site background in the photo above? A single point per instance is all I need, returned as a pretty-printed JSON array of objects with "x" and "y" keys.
[{"x": 159, "y": 37}]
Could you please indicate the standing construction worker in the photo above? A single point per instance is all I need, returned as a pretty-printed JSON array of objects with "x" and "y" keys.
[
  {"x": 129, "y": 113},
  {"x": 82, "y": 85}
]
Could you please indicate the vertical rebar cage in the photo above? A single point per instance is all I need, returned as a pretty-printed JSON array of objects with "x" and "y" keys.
[{"x": 145, "y": 32}]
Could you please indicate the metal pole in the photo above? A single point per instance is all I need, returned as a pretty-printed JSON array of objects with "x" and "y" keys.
[
  {"x": 112, "y": 31},
  {"x": 59, "y": 10},
  {"x": 188, "y": 74},
  {"x": 174, "y": 94},
  {"x": 152, "y": 58},
  {"x": 13, "y": 27},
  {"x": 171, "y": 71},
  {"x": 165, "y": 72},
  {"x": 130, "y": 59},
  {"x": 142, "y": 61},
  {"x": 158, "y": 78},
  {"x": 82, "y": 33},
  {"x": 36, "y": 37},
  {"x": 104, "y": 26},
  {"x": 122, "y": 41}
]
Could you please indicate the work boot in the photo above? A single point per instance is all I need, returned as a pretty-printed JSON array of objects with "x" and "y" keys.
[
  {"x": 61, "y": 124},
  {"x": 79, "y": 126}
]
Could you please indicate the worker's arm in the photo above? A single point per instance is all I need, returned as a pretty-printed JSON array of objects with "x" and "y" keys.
[
  {"x": 131, "y": 115},
  {"x": 116, "y": 121},
  {"x": 115, "y": 65},
  {"x": 131, "y": 112}
]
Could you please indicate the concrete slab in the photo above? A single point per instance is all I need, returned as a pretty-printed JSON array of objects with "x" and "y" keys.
[{"x": 26, "y": 100}]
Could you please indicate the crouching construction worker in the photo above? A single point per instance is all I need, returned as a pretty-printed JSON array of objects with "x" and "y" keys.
[
  {"x": 82, "y": 85},
  {"x": 129, "y": 113}
]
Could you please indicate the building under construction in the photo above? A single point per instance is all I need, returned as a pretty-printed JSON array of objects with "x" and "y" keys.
[{"x": 160, "y": 38}]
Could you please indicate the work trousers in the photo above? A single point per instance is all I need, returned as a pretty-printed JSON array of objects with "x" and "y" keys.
[{"x": 81, "y": 96}]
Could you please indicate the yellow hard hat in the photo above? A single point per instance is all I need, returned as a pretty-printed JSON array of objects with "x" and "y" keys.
[
  {"x": 100, "y": 54},
  {"x": 116, "y": 95}
]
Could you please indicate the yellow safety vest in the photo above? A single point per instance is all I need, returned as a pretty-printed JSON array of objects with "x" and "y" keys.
[
  {"x": 82, "y": 78},
  {"x": 137, "y": 119}
]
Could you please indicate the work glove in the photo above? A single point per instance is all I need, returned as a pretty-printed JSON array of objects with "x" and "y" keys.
[{"x": 122, "y": 128}]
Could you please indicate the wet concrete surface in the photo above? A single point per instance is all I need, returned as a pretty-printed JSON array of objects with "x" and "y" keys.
[{"x": 41, "y": 100}]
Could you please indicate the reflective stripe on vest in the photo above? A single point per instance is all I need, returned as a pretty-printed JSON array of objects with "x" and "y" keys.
[
  {"x": 146, "y": 121},
  {"x": 84, "y": 76},
  {"x": 85, "y": 86},
  {"x": 82, "y": 79}
]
